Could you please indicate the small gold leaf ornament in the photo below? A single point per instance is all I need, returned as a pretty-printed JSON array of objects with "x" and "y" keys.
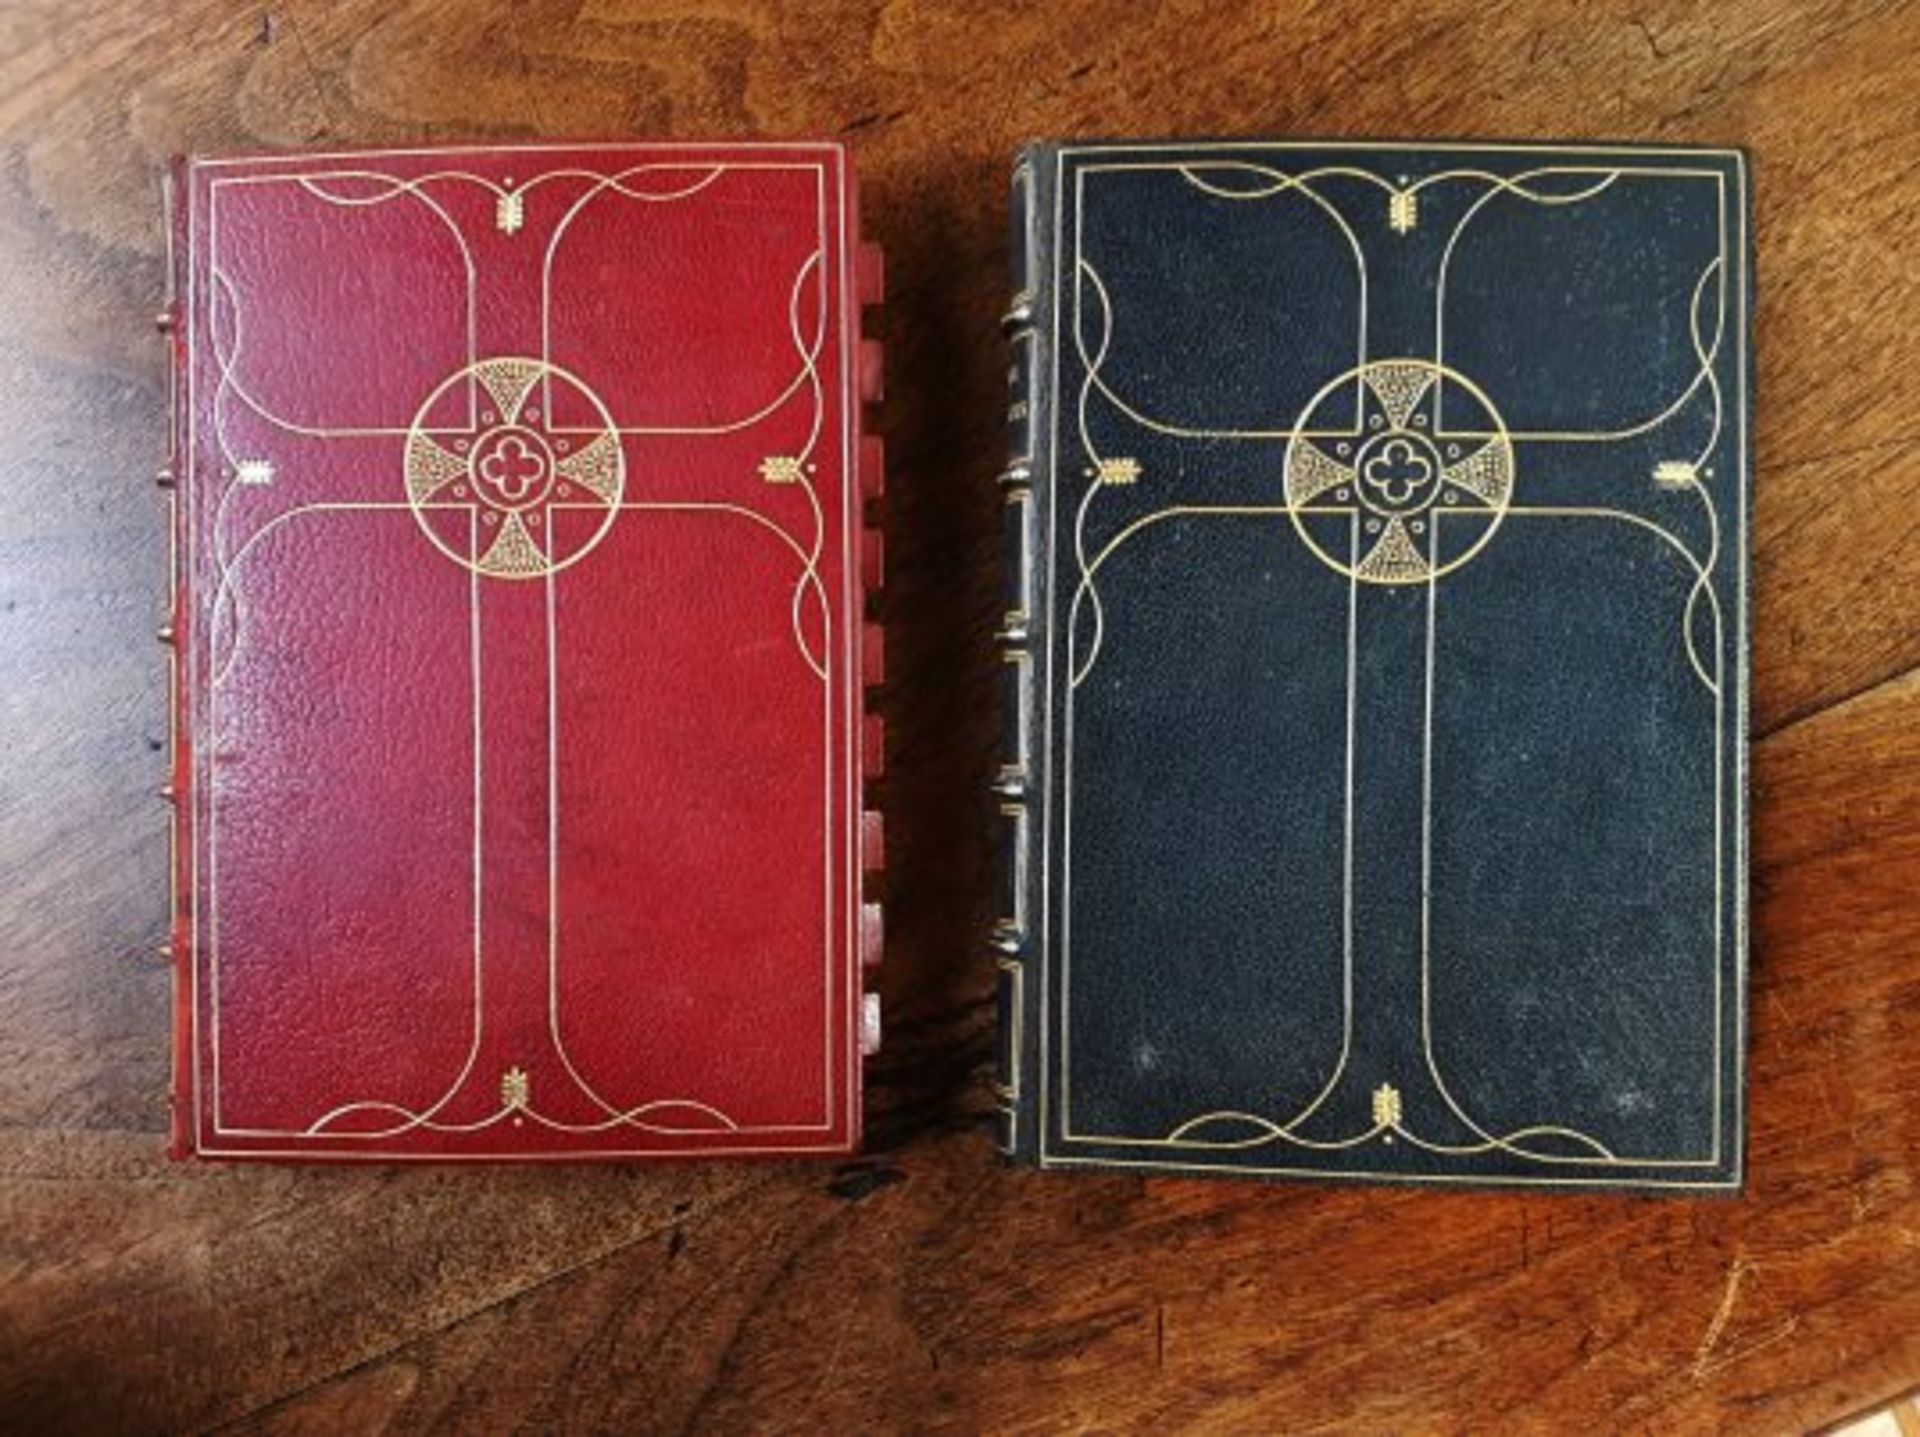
[
  {"x": 1120, "y": 471},
  {"x": 1403, "y": 211},
  {"x": 781, "y": 469},
  {"x": 1386, "y": 1106},
  {"x": 514, "y": 1087},
  {"x": 510, "y": 212},
  {"x": 1675, "y": 474}
]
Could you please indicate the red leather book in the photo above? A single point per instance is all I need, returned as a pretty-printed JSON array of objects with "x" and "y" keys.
[{"x": 520, "y": 653}]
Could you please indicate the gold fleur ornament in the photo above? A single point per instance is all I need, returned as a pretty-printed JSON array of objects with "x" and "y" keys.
[
  {"x": 515, "y": 1087},
  {"x": 1386, "y": 1106},
  {"x": 781, "y": 469},
  {"x": 1118, "y": 471},
  {"x": 1403, "y": 211},
  {"x": 510, "y": 212}
]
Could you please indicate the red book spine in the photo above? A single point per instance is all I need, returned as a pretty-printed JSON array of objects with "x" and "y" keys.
[{"x": 177, "y": 789}]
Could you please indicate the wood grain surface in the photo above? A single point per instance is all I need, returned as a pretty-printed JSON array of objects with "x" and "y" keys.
[{"x": 924, "y": 1288}]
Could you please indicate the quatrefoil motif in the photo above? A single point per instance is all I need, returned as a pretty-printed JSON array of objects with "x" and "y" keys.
[
  {"x": 1397, "y": 470},
  {"x": 513, "y": 467}
]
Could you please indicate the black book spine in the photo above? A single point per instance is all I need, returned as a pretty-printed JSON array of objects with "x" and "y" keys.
[{"x": 1019, "y": 779}]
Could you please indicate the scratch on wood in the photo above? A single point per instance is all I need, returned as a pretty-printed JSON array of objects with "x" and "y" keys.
[
  {"x": 1736, "y": 1274},
  {"x": 872, "y": 119},
  {"x": 313, "y": 74},
  {"x": 1704, "y": 1365},
  {"x": 824, "y": 1382},
  {"x": 1653, "y": 41}
]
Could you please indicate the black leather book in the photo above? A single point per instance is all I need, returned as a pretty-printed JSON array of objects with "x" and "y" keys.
[{"x": 1375, "y": 775}]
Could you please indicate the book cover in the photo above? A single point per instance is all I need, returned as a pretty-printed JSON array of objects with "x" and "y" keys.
[
  {"x": 1374, "y": 784},
  {"x": 521, "y": 653}
]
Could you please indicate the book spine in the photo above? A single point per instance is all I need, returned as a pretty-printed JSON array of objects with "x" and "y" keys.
[
  {"x": 172, "y": 321},
  {"x": 1023, "y": 484},
  {"x": 869, "y": 285}
]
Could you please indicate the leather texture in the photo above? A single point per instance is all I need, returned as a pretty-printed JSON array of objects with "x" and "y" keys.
[
  {"x": 520, "y": 652},
  {"x": 1377, "y": 760}
]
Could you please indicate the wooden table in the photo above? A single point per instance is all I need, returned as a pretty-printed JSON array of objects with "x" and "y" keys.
[{"x": 926, "y": 1289}]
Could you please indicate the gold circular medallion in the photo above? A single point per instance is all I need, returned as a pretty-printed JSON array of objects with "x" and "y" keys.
[
  {"x": 514, "y": 468},
  {"x": 1398, "y": 472}
]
